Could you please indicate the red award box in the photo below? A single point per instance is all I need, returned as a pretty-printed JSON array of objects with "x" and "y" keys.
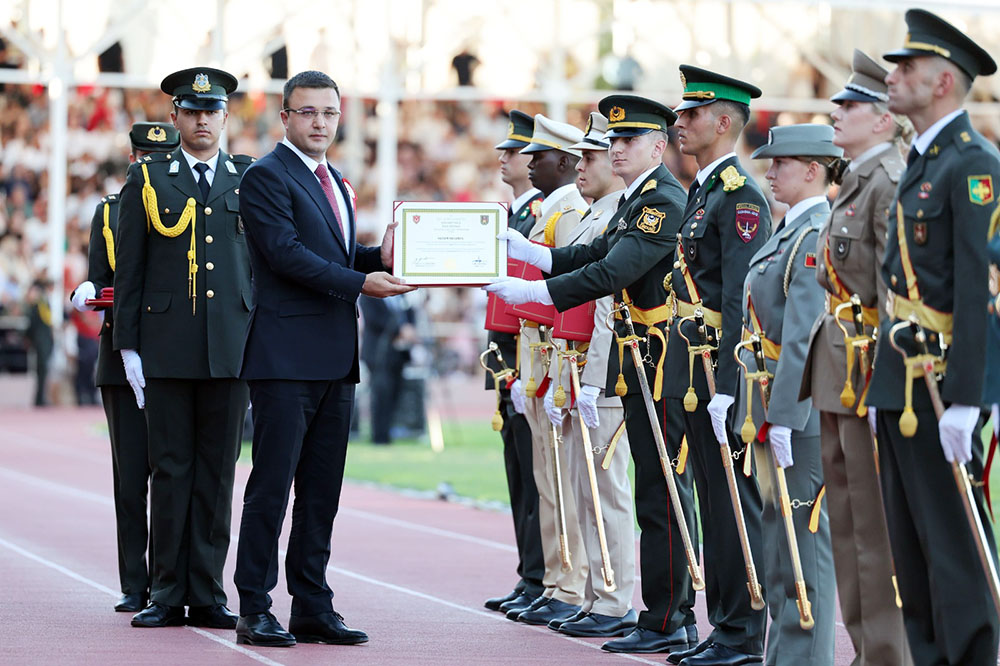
[
  {"x": 497, "y": 318},
  {"x": 105, "y": 299},
  {"x": 575, "y": 324},
  {"x": 536, "y": 312}
]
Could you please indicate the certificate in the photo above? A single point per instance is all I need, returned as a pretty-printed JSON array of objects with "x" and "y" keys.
[{"x": 449, "y": 243}]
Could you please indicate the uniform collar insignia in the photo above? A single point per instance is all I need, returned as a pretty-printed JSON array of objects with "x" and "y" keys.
[
  {"x": 650, "y": 185},
  {"x": 731, "y": 179},
  {"x": 230, "y": 167},
  {"x": 174, "y": 167}
]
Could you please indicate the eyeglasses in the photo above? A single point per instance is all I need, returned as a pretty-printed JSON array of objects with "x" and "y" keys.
[{"x": 310, "y": 113}]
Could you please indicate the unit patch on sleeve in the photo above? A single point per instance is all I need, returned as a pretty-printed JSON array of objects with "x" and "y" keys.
[
  {"x": 810, "y": 260},
  {"x": 747, "y": 220},
  {"x": 650, "y": 220},
  {"x": 981, "y": 189}
]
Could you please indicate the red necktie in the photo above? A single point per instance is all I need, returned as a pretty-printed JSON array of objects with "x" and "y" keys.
[{"x": 327, "y": 185}]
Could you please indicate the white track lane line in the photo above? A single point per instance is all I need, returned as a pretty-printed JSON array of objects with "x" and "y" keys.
[
  {"x": 427, "y": 529},
  {"x": 107, "y": 590},
  {"x": 93, "y": 497}
]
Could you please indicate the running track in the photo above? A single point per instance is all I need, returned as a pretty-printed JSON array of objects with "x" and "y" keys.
[{"x": 412, "y": 573}]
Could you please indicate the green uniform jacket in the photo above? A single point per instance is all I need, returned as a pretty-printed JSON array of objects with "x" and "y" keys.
[
  {"x": 721, "y": 232},
  {"x": 634, "y": 254},
  {"x": 991, "y": 389},
  {"x": 153, "y": 312},
  {"x": 110, "y": 371},
  {"x": 947, "y": 197}
]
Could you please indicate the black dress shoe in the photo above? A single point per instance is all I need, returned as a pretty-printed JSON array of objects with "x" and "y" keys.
[
  {"x": 555, "y": 624},
  {"x": 521, "y": 601},
  {"x": 326, "y": 628},
  {"x": 159, "y": 615},
  {"x": 264, "y": 630},
  {"x": 212, "y": 617},
  {"x": 494, "y": 603},
  {"x": 539, "y": 602},
  {"x": 718, "y": 654},
  {"x": 131, "y": 603},
  {"x": 554, "y": 610},
  {"x": 680, "y": 655},
  {"x": 604, "y": 626},
  {"x": 647, "y": 641}
]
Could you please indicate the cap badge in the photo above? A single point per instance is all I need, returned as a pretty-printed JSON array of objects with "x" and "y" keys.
[
  {"x": 684, "y": 81},
  {"x": 157, "y": 134},
  {"x": 590, "y": 124},
  {"x": 616, "y": 114},
  {"x": 510, "y": 128},
  {"x": 201, "y": 84}
]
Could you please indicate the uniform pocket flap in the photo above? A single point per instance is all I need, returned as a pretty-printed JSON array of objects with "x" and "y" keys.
[{"x": 157, "y": 301}]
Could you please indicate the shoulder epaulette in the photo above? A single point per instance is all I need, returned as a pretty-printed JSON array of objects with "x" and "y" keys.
[
  {"x": 650, "y": 185},
  {"x": 243, "y": 159},
  {"x": 157, "y": 157},
  {"x": 731, "y": 179}
]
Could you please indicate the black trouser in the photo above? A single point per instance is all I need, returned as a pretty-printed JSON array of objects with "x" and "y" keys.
[
  {"x": 194, "y": 430},
  {"x": 523, "y": 497},
  {"x": 386, "y": 385},
  {"x": 666, "y": 581},
  {"x": 735, "y": 623},
  {"x": 300, "y": 433},
  {"x": 948, "y": 611},
  {"x": 130, "y": 474}
]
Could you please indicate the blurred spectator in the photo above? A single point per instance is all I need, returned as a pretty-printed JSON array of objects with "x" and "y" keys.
[
  {"x": 386, "y": 341},
  {"x": 88, "y": 328},
  {"x": 39, "y": 335},
  {"x": 464, "y": 64}
]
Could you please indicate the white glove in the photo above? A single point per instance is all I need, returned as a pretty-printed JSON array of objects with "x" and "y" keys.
[
  {"x": 81, "y": 294},
  {"x": 555, "y": 413},
  {"x": 995, "y": 412},
  {"x": 517, "y": 396},
  {"x": 517, "y": 291},
  {"x": 519, "y": 247},
  {"x": 955, "y": 427},
  {"x": 133, "y": 373},
  {"x": 781, "y": 444},
  {"x": 586, "y": 402},
  {"x": 872, "y": 421},
  {"x": 718, "y": 409}
]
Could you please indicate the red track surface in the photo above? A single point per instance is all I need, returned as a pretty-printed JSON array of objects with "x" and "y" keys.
[{"x": 412, "y": 573}]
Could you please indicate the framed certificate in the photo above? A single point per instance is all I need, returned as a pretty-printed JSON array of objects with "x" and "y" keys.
[{"x": 449, "y": 243}]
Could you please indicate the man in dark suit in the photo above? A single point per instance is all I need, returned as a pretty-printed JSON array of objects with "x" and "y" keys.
[
  {"x": 386, "y": 339},
  {"x": 182, "y": 289},
  {"x": 301, "y": 360},
  {"x": 126, "y": 422}
]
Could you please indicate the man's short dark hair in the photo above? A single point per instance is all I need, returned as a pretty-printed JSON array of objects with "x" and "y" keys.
[
  {"x": 737, "y": 111},
  {"x": 307, "y": 79}
]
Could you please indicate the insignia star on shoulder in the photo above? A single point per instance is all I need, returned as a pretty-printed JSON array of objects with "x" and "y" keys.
[
  {"x": 650, "y": 185},
  {"x": 731, "y": 179}
]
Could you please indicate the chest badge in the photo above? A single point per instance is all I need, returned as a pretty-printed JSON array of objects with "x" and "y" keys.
[
  {"x": 523, "y": 215},
  {"x": 536, "y": 208},
  {"x": 747, "y": 221},
  {"x": 700, "y": 213},
  {"x": 920, "y": 233},
  {"x": 851, "y": 211},
  {"x": 925, "y": 190}
]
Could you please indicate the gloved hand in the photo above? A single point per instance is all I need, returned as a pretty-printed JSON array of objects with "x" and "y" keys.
[
  {"x": 517, "y": 396},
  {"x": 995, "y": 412},
  {"x": 517, "y": 291},
  {"x": 555, "y": 414},
  {"x": 586, "y": 402},
  {"x": 133, "y": 373},
  {"x": 871, "y": 420},
  {"x": 81, "y": 294},
  {"x": 955, "y": 427},
  {"x": 781, "y": 444},
  {"x": 718, "y": 409},
  {"x": 519, "y": 247}
]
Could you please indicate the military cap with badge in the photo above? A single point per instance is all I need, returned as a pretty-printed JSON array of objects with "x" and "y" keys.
[
  {"x": 202, "y": 88},
  {"x": 631, "y": 115},
  {"x": 549, "y": 134},
  {"x": 519, "y": 130},
  {"x": 703, "y": 87},
  {"x": 154, "y": 137},
  {"x": 929, "y": 35}
]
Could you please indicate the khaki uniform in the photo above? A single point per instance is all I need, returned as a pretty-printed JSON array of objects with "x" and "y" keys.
[
  {"x": 849, "y": 252},
  {"x": 613, "y": 486},
  {"x": 559, "y": 217}
]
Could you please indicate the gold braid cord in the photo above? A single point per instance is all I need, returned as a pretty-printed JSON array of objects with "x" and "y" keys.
[
  {"x": 109, "y": 238},
  {"x": 187, "y": 217},
  {"x": 791, "y": 257}
]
